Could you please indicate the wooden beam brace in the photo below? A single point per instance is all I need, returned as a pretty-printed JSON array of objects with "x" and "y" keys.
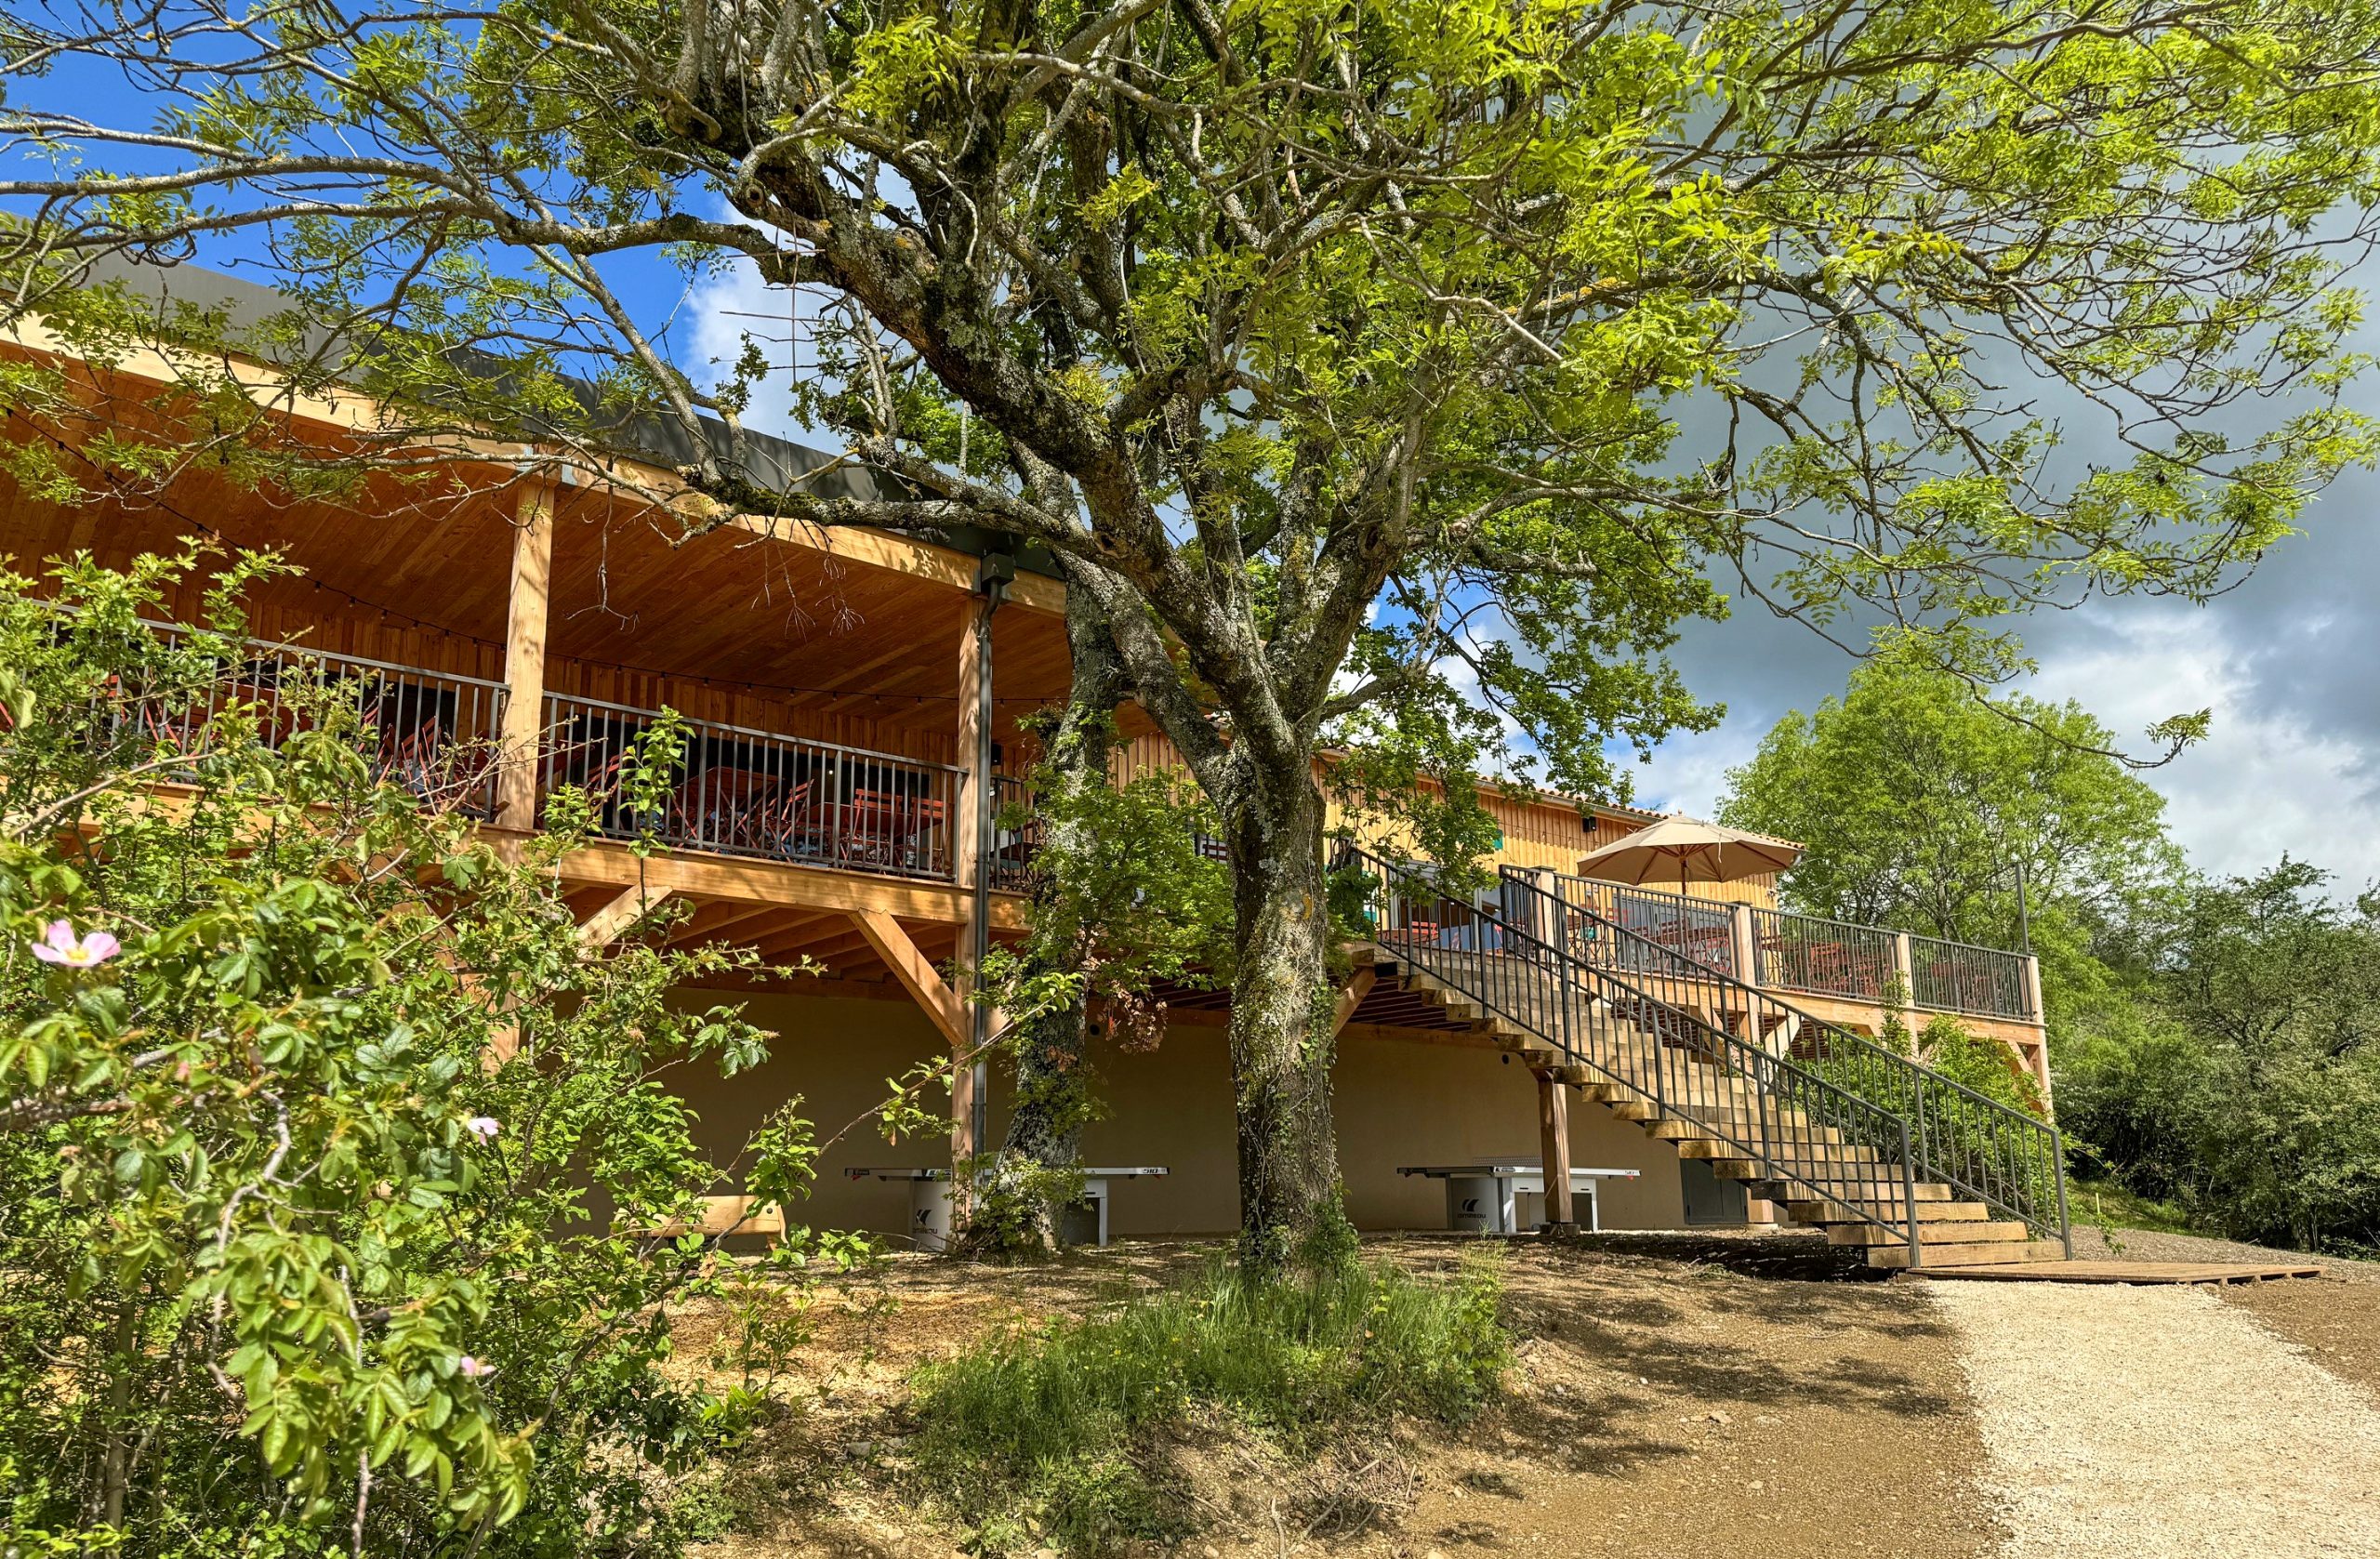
[
  {"x": 1352, "y": 997},
  {"x": 770, "y": 882},
  {"x": 916, "y": 975},
  {"x": 600, "y": 930}
]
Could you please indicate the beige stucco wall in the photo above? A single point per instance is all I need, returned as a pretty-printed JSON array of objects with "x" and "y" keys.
[
  {"x": 836, "y": 1053},
  {"x": 1398, "y": 1102}
]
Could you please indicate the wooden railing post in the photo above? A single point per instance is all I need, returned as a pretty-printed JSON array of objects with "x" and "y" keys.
[
  {"x": 1553, "y": 1143},
  {"x": 1905, "y": 966},
  {"x": 525, "y": 656},
  {"x": 1746, "y": 943},
  {"x": 1549, "y": 929}
]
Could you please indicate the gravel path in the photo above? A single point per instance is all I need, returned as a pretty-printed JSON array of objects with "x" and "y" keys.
[{"x": 2161, "y": 1423}]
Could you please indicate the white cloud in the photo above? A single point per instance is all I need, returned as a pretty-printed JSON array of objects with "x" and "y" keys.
[
  {"x": 1688, "y": 774},
  {"x": 2268, "y": 778},
  {"x": 731, "y": 304}
]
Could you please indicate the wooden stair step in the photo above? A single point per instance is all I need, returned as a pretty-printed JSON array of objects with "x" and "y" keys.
[
  {"x": 1674, "y": 1127},
  {"x": 1860, "y": 1162},
  {"x": 1930, "y": 1233},
  {"x": 1927, "y": 1212},
  {"x": 1991, "y": 1254}
]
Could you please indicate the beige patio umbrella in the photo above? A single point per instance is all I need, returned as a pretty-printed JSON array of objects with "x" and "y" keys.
[{"x": 1681, "y": 850}]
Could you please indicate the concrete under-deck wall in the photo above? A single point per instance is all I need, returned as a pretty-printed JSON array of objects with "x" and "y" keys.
[{"x": 1397, "y": 1103}]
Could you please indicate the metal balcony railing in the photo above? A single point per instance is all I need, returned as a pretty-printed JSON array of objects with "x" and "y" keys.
[
  {"x": 1960, "y": 977},
  {"x": 1702, "y": 929},
  {"x": 434, "y": 732},
  {"x": 738, "y": 791},
  {"x": 1822, "y": 957},
  {"x": 1016, "y": 834}
]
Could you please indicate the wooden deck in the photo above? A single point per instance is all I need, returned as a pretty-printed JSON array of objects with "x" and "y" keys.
[{"x": 2113, "y": 1272}]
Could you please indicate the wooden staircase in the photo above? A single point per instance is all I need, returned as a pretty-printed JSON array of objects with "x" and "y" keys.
[{"x": 1631, "y": 1063}]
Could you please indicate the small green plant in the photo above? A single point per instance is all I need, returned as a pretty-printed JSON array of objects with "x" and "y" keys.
[{"x": 1056, "y": 1434}]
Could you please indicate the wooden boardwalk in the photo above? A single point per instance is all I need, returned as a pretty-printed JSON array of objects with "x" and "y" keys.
[{"x": 2113, "y": 1272}]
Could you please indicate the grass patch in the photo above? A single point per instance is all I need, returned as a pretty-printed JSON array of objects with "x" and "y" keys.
[
  {"x": 1061, "y": 1434},
  {"x": 2108, "y": 1205}
]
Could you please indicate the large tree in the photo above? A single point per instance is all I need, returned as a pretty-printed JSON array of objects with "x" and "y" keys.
[
  {"x": 1337, "y": 350},
  {"x": 1921, "y": 805}
]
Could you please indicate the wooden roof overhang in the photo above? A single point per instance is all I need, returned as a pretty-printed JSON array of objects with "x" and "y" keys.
[{"x": 864, "y": 622}]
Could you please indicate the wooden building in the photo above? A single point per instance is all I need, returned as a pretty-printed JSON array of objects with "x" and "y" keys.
[{"x": 853, "y": 702}]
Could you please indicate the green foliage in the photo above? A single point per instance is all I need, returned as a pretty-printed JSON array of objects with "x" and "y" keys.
[
  {"x": 1977, "y": 1062},
  {"x": 1126, "y": 895},
  {"x": 294, "y": 1262},
  {"x": 2236, "y": 1074},
  {"x": 1125, "y": 900},
  {"x": 2109, "y": 1204},
  {"x": 1057, "y": 1433},
  {"x": 1917, "y": 802}
]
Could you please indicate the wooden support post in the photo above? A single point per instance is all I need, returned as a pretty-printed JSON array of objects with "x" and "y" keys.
[
  {"x": 1552, "y": 912},
  {"x": 966, "y": 834},
  {"x": 604, "y": 927},
  {"x": 1553, "y": 1143},
  {"x": 1906, "y": 968},
  {"x": 1745, "y": 943},
  {"x": 525, "y": 657},
  {"x": 975, "y": 791}
]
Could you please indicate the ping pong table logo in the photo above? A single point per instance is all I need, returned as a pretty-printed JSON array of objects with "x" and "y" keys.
[{"x": 1470, "y": 1208}]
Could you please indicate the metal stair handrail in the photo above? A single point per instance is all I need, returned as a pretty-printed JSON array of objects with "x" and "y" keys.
[
  {"x": 1794, "y": 1123},
  {"x": 2009, "y": 1160}
]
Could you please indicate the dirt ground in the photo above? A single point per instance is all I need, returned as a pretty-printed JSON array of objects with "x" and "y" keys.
[
  {"x": 1674, "y": 1395},
  {"x": 1683, "y": 1397},
  {"x": 2337, "y": 1320}
]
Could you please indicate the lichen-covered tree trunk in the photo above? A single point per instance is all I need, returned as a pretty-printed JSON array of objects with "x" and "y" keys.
[
  {"x": 1016, "y": 1210},
  {"x": 1282, "y": 1036}
]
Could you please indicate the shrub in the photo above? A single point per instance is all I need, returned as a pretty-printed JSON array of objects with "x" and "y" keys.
[
  {"x": 290, "y": 1260},
  {"x": 1057, "y": 1431}
]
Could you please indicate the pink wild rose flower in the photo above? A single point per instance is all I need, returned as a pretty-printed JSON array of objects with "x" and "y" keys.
[{"x": 60, "y": 946}]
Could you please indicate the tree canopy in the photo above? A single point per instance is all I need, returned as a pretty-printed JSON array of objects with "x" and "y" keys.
[
  {"x": 1352, "y": 357},
  {"x": 2233, "y": 1071},
  {"x": 1918, "y": 804}
]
